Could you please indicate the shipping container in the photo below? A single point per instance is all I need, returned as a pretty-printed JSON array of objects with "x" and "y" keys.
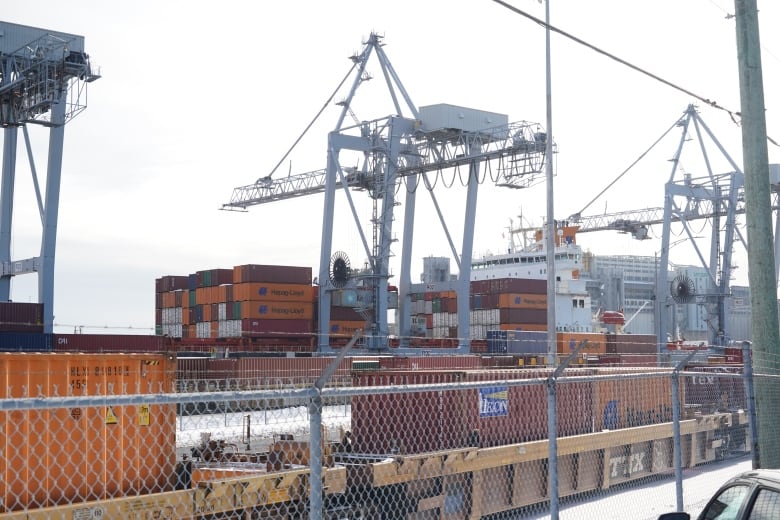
[
  {"x": 21, "y": 317},
  {"x": 277, "y": 310},
  {"x": 272, "y": 273},
  {"x": 528, "y": 342},
  {"x": 262, "y": 292},
  {"x": 77, "y": 454},
  {"x": 522, "y": 301},
  {"x": 25, "y": 342},
  {"x": 537, "y": 316},
  {"x": 633, "y": 343},
  {"x": 272, "y": 327},
  {"x": 431, "y": 421},
  {"x": 171, "y": 283},
  {"x": 346, "y": 328},
  {"x": 100, "y": 343},
  {"x": 596, "y": 343}
]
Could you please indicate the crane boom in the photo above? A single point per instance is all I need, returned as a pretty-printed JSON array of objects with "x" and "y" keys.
[{"x": 519, "y": 147}]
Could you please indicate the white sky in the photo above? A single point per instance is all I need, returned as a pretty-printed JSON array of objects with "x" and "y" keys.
[{"x": 197, "y": 98}]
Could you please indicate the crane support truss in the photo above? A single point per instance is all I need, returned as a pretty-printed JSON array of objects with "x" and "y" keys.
[
  {"x": 43, "y": 80},
  {"x": 718, "y": 198}
]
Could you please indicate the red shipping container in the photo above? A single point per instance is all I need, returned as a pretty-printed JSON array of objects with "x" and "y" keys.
[
  {"x": 430, "y": 421},
  {"x": 97, "y": 343},
  {"x": 170, "y": 283},
  {"x": 272, "y": 274},
  {"x": 538, "y": 316},
  {"x": 270, "y": 327}
]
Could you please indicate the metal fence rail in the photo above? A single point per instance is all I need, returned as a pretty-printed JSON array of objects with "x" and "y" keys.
[{"x": 409, "y": 444}]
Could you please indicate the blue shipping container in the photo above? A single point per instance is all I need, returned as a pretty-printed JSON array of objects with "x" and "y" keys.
[
  {"x": 499, "y": 341},
  {"x": 527, "y": 342},
  {"x": 25, "y": 342}
]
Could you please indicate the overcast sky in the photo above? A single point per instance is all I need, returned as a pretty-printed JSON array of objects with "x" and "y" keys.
[{"x": 197, "y": 98}]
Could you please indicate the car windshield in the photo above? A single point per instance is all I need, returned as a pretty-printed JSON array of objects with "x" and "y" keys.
[{"x": 727, "y": 504}]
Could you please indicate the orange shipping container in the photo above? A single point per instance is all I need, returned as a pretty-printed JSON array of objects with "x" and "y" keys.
[
  {"x": 346, "y": 328},
  {"x": 522, "y": 301},
  {"x": 538, "y": 327},
  {"x": 168, "y": 299},
  {"x": 74, "y": 454},
  {"x": 568, "y": 341},
  {"x": 263, "y": 292},
  {"x": 277, "y": 310}
]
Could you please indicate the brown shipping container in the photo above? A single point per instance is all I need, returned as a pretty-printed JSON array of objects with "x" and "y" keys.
[
  {"x": 21, "y": 317},
  {"x": 272, "y": 327},
  {"x": 635, "y": 343},
  {"x": 71, "y": 455},
  {"x": 170, "y": 283},
  {"x": 430, "y": 421},
  {"x": 104, "y": 343},
  {"x": 277, "y": 310},
  {"x": 568, "y": 341},
  {"x": 272, "y": 273},
  {"x": 344, "y": 314},
  {"x": 522, "y": 301},
  {"x": 538, "y": 316},
  {"x": 256, "y": 291}
]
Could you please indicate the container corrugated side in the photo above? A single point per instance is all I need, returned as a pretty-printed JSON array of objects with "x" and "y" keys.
[
  {"x": 79, "y": 454},
  {"x": 25, "y": 342}
]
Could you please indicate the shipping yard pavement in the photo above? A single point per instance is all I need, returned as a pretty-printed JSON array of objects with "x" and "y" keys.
[
  {"x": 648, "y": 501},
  {"x": 637, "y": 502}
]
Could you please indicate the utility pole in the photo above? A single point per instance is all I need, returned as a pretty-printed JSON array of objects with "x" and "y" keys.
[{"x": 761, "y": 264}]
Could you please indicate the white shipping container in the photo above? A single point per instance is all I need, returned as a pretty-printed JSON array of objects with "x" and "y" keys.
[
  {"x": 428, "y": 309},
  {"x": 203, "y": 329},
  {"x": 222, "y": 314},
  {"x": 177, "y": 315}
]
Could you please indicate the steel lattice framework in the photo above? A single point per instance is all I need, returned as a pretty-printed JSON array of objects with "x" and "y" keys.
[
  {"x": 43, "y": 78},
  {"x": 400, "y": 150}
]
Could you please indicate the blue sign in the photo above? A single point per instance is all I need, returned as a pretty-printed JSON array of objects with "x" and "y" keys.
[{"x": 494, "y": 401}]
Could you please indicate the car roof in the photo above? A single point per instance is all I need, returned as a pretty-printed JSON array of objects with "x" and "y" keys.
[{"x": 769, "y": 477}]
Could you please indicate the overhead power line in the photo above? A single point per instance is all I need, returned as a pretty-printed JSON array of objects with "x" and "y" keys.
[{"x": 735, "y": 115}]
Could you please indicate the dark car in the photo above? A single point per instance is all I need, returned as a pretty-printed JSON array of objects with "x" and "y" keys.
[{"x": 753, "y": 495}]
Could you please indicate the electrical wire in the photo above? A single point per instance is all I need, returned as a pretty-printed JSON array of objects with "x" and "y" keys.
[{"x": 734, "y": 115}]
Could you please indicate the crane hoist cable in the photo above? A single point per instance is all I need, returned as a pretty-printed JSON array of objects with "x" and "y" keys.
[
  {"x": 324, "y": 106},
  {"x": 676, "y": 124}
]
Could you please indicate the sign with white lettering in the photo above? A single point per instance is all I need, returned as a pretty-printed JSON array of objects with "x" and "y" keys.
[{"x": 494, "y": 401}]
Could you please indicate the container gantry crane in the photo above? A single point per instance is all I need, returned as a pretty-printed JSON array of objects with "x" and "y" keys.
[
  {"x": 43, "y": 80},
  {"x": 717, "y": 198},
  {"x": 403, "y": 149}
]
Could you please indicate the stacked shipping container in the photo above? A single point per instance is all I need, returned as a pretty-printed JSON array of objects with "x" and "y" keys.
[
  {"x": 245, "y": 301},
  {"x": 501, "y": 304}
]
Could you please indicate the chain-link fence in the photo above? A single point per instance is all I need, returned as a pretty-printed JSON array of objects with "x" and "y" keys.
[{"x": 88, "y": 437}]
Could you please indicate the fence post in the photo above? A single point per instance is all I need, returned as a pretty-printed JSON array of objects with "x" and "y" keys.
[
  {"x": 315, "y": 425},
  {"x": 552, "y": 430},
  {"x": 676, "y": 429},
  {"x": 315, "y": 455},
  {"x": 750, "y": 395}
]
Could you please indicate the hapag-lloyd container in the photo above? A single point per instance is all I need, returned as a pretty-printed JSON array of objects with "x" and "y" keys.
[{"x": 65, "y": 455}]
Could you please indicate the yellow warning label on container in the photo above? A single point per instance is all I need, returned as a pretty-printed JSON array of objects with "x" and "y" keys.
[
  {"x": 111, "y": 416},
  {"x": 144, "y": 416}
]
